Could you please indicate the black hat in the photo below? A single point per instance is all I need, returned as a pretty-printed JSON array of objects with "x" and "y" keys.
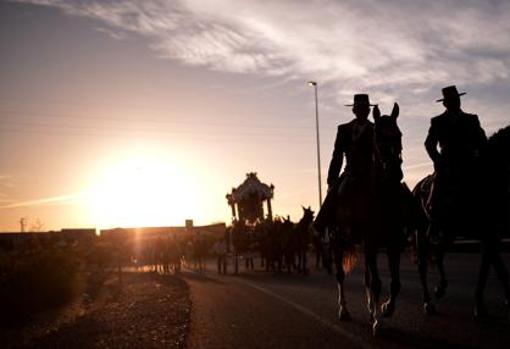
[
  {"x": 360, "y": 99},
  {"x": 450, "y": 92}
]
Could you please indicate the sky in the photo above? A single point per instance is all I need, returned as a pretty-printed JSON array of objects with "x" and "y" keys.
[{"x": 123, "y": 113}]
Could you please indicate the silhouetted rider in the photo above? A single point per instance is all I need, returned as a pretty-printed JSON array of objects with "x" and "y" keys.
[
  {"x": 355, "y": 141},
  {"x": 460, "y": 139}
]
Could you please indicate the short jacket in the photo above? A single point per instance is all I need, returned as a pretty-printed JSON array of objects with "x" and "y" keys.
[
  {"x": 359, "y": 151},
  {"x": 460, "y": 139}
]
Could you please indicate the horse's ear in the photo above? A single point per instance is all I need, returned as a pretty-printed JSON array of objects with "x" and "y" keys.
[
  {"x": 303, "y": 207},
  {"x": 376, "y": 112},
  {"x": 395, "y": 111}
]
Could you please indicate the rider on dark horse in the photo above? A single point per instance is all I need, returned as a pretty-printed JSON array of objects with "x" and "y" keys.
[
  {"x": 352, "y": 191},
  {"x": 453, "y": 204},
  {"x": 457, "y": 203},
  {"x": 457, "y": 166}
]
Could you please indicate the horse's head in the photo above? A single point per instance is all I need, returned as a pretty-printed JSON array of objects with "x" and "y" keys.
[
  {"x": 307, "y": 214},
  {"x": 389, "y": 143}
]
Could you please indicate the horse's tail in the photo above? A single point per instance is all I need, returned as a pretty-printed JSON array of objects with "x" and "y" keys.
[{"x": 350, "y": 258}]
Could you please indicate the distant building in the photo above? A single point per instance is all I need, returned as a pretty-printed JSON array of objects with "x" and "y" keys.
[
  {"x": 143, "y": 233},
  {"x": 77, "y": 234},
  {"x": 15, "y": 240}
]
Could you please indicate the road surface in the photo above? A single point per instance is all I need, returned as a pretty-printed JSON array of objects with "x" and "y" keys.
[{"x": 256, "y": 309}]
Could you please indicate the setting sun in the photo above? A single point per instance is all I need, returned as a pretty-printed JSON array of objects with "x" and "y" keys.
[{"x": 143, "y": 191}]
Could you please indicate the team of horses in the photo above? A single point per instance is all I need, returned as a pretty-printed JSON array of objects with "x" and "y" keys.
[{"x": 281, "y": 244}]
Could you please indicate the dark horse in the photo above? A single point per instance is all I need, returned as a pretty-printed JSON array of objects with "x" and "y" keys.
[
  {"x": 487, "y": 221},
  {"x": 389, "y": 200},
  {"x": 301, "y": 238}
]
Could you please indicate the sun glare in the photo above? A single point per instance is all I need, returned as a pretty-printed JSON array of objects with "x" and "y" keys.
[{"x": 144, "y": 192}]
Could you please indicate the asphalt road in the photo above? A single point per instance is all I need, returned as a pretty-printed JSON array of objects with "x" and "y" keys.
[{"x": 256, "y": 309}]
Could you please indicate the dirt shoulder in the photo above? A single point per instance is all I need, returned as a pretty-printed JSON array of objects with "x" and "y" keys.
[{"x": 148, "y": 311}]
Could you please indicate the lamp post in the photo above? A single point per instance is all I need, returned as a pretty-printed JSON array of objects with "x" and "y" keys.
[{"x": 314, "y": 84}]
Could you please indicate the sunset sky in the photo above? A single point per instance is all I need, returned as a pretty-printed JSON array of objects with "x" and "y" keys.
[{"x": 122, "y": 113}]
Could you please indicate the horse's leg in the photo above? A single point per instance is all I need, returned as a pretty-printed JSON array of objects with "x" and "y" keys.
[
  {"x": 490, "y": 255},
  {"x": 393, "y": 253},
  {"x": 328, "y": 258},
  {"x": 299, "y": 260},
  {"x": 288, "y": 262},
  {"x": 422, "y": 248},
  {"x": 502, "y": 274},
  {"x": 236, "y": 263},
  {"x": 343, "y": 313},
  {"x": 305, "y": 260},
  {"x": 318, "y": 254},
  {"x": 372, "y": 281},
  {"x": 479, "y": 310},
  {"x": 440, "y": 289},
  {"x": 292, "y": 261}
]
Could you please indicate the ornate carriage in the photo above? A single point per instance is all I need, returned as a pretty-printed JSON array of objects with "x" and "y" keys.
[
  {"x": 247, "y": 200},
  {"x": 247, "y": 203}
]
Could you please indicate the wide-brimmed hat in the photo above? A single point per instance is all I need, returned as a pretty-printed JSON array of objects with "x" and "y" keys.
[
  {"x": 360, "y": 99},
  {"x": 450, "y": 92}
]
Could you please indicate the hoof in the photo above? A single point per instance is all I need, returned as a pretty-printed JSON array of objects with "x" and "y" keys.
[
  {"x": 376, "y": 327},
  {"x": 343, "y": 314},
  {"x": 429, "y": 309},
  {"x": 440, "y": 290},
  {"x": 387, "y": 309},
  {"x": 480, "y": 312}
]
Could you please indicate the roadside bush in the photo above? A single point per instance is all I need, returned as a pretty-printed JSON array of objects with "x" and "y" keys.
[{"x": 35, "y": 279}]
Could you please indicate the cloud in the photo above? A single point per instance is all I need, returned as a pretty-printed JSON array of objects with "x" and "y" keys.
[
  {"x": 362, "y": 42},
  {"x": 5, "y": 182},
  {"x": 395, "y": 49},
  {"x": 55, "y": 200}
]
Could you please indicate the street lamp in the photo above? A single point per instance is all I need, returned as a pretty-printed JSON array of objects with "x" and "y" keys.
[{"x": 314, "y": 84}]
